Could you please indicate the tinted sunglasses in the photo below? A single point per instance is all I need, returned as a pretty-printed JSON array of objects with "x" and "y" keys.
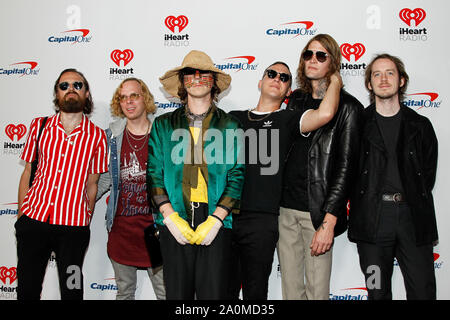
[
  {"x": 272, "y": 74},
  {"x": 63, "y": 86},
  {"x": 320, "y": 55},
  {"x": 192, "y": 71},
  {"x": 132, "y": 97}
]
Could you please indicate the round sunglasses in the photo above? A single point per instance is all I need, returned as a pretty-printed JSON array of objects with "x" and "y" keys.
[{"x": 63, "y": 86}]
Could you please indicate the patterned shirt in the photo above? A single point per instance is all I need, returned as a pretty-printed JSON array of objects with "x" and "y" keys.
[{"x": 59, "y": 194}]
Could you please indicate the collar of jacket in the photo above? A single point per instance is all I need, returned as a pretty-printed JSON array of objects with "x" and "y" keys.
[
  {"x": 408, "y": 128},
  {"x": 119, "y": 125}
]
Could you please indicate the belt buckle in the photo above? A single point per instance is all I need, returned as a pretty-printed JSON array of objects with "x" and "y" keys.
[{"x": 397, "y": 197}]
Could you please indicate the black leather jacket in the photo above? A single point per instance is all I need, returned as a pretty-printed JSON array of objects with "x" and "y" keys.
[
  {"x": 332, "y": 156},
  {"x": 417, "y": 152}
]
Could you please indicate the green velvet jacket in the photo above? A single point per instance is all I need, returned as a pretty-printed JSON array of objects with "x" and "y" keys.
[{"x": 173, "y": 161}]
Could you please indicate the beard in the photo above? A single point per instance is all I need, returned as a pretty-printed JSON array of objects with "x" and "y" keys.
[
  {"x": 385, "y": 96},
  {"x": 71, "y": 104}
]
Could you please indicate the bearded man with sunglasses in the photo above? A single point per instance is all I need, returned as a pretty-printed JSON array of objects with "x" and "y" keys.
[
  {"x": 270, "y": 132},
  {"x": 317, "y": 177},
  {"x": 56, "y": 209}
]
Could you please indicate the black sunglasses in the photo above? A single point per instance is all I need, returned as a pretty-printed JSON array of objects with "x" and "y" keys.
[
  {"x": 63, "y": 86},
  {"x": 272, "y": 74},
  {"x": 320, "y": 55}
]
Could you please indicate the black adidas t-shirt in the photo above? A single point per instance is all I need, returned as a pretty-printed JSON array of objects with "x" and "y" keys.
[{"x": 268, "y": 138}]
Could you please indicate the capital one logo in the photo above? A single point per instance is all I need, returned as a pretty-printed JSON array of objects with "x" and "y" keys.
[
  {"x": 351, "y": 294},
  {"x": 8, "y": 273},
  {"x": 33, "y": 64},
  {"x": 408, "y": 15},
  {"x": 357, "y": 50},
  {"x": 423, "y": 100},
  {"x": 238, "y": 63},
  {"x": 181, "y": 22},
  {"x": 28, "y": 69},
  {"x": 74, "y": 37},
  {"x": 12, "y": 130},
  {"x": 126, "y": 56},
  {"x": 296, "y": 28}
]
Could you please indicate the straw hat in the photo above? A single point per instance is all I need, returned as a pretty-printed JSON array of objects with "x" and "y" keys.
[{"x": 195, "y": 60}]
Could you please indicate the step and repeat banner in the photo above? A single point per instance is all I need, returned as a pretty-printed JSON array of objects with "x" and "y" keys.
[{"x": 111, "y": 40}]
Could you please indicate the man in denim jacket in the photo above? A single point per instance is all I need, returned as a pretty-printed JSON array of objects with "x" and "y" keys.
[{"x": 129, "y": 212}]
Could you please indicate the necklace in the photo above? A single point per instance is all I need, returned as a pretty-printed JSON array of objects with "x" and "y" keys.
[
  {"x": 194, "y": 117},
  {"x": 262, "y": 118},
  {"x": 133, "y": 146}
]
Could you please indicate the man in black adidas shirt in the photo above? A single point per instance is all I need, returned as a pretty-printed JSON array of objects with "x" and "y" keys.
[
  {"x": 317, "y": 177},
  {"x": 269, "y": 133},
  {"x": 391, "y": 209}
]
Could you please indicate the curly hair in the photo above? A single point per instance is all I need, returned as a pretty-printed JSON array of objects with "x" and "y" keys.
[
  {"x": 334, "y": 53},
  {"x": 87, "y": 109},
  {"x": 401, "y": 71},
  {"x": 149, "y": 101}
]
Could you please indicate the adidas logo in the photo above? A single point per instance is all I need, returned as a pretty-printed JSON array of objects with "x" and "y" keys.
[{"x": 267, "y": 124}]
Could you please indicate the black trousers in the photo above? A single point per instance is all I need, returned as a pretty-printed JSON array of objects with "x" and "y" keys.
[
  {"x": 35, "y": 242},
  {"x": 255, "y": 236},
  {"x": 396, "y": 238},
  {"x": 196, "y": 271}
]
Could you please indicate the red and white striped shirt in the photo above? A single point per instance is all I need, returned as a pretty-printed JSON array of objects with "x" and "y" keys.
[{"x": 59, "y": 194}]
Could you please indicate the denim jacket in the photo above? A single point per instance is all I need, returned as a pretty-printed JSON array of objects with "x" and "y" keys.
[{"x": 109, "y": 181}]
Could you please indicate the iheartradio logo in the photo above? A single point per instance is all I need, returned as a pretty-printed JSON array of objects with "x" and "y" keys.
[
  {"x": 357, "y": 50},
  {"x": 126, "y": 56},
  {"x": 408, "y": 15},
  {"x": 181, "y": 22},
  {"x": 12, "y": 130},
  {"x": 10, "y": 274}
]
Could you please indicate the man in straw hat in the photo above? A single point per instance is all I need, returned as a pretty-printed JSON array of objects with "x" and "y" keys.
[{"x": 194, "y": 189}]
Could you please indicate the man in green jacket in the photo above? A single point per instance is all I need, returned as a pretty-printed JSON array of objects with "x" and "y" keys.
[{"x": 196, "y": 180}]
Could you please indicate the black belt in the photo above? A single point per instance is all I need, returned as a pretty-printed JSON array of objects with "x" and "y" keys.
[{"x": 394, "y": 197}]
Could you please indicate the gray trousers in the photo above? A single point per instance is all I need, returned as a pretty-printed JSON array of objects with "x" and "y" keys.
[
  {"x": 126, "y": 279},
  {"x": 303, "y": 277}
]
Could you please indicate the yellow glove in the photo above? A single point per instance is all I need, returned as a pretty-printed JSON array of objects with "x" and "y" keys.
[
  {"x": 207, "y": 231},
  {"x": 180, "y": 229}
]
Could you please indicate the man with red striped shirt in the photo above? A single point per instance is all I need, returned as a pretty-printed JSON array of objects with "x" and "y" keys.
[{"x": 55, "y": 211}]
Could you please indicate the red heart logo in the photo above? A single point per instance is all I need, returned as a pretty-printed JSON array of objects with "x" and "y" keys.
[
  {"x": 407, "y": 15},
  {"x": 357, "y": 50},
  {"x": 125, "y": 56},
  {"x": 12, "y": 130},
  {"x": 6, "y": 273},
  {"x": 181, "y": 22}
]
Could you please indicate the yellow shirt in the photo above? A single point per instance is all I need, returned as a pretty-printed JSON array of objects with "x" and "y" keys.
[{"x": 199, "y": 194}]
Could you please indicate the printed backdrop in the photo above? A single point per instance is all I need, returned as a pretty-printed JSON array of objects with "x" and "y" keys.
[{"x": 111, "y": 40}]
